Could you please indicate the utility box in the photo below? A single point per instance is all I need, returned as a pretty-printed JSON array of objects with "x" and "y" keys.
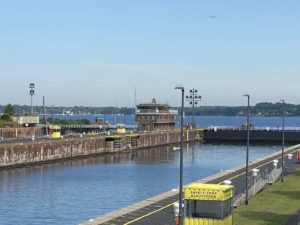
[
  {"x": 55, "y": 131},
  {"x": 121, "y": 128},
  {"x": 208, "y": 204}
]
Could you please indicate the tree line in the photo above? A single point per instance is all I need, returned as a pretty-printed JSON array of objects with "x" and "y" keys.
[{"x": 260, "y": 109}]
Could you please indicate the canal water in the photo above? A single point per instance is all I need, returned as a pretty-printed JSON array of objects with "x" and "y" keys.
[{"x": 71, "y": 192}]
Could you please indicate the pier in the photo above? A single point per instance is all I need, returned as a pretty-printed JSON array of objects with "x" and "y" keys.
[
  {"x": 40, "y": 151},
  {"x": 257, "y": 134},
  {"x": 22, "y": 152}
]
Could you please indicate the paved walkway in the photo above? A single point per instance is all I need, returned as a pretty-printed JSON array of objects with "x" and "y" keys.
[{"x": 161, "y": 212}]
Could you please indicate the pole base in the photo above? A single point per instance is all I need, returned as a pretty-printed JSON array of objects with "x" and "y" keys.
[{"x": 177, "y": 220}]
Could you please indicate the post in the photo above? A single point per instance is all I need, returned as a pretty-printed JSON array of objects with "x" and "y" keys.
[
  {"x": 17, "y": 134},
  {"x": 31, "y": 110},
  {"x": 52, "y": 114},
  {"x": 193, "y": 99},
  {"x": 283, "y": 130},
  {"x": 193, "y": 120},
  {"x": 31, "y": 93},
  {"x": 181, "y": 155},
  {"x": 116, "y": 114},
  {"x": 45, "y": 118},
  {"x": 247, "y": 152}
]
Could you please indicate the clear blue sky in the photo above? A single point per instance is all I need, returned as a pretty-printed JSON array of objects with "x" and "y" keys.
[{"x": 95, "y": 52}]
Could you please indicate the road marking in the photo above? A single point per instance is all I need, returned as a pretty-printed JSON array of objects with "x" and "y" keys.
[{"x": 146, "y": 215}]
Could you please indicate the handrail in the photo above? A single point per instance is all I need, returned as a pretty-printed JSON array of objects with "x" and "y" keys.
[{"x": 255, "y": 128}]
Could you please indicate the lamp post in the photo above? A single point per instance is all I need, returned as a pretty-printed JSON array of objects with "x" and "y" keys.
[
  {"x": 52, "y": 113},
  {"x": 247, "y": 153},
  {"x": 193, "y": 98},
  {"x": 283, "y": 129},
  {"x": 181, "y": 153},
  {"x": 31, "y": 93},
  {"x": 17, "y": 135}
]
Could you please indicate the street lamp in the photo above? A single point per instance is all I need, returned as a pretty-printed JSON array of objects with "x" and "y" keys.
[
  {"x": 52, "y": 113},
  {"x": 178, "y": 87},
  {"x": 247, "y": 153},
  {"x": 282, "y": 150},
  {"x": 193, "y": 98},
  {"x": 17, "y": 133},
  {"x": 31, "y": 93}
]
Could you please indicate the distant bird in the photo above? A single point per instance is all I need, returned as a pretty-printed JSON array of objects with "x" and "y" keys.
[{"x": 212, "y": 17}]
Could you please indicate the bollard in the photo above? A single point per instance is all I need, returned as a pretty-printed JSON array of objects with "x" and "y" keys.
[
  {"x": 176, "y": 212},
  {"x": 176, "y": 208},
  {"x": 177, "y": 220},
  {"x": 227, "y": 182},
  {"x": 275, "y": 162},
  {"x": 255, "y": 172}
]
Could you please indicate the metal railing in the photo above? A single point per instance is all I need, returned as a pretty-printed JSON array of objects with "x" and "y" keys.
[
  {"x": 256, "y": 184},
  {"x": 287, "y": 129}
]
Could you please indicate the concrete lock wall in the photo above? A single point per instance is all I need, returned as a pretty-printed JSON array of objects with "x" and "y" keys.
[
  {"x": 19, "y": 154},
  {"x": 257, "y": 135}
]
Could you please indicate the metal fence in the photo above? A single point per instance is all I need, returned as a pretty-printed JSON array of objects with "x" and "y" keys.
[{"x": 257, "y": 184}]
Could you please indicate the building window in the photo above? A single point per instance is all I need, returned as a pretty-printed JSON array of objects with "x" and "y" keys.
[{"x": 208, "y": 209}]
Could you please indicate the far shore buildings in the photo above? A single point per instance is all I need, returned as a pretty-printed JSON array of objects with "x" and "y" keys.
[{"x": 154, "y": 116}]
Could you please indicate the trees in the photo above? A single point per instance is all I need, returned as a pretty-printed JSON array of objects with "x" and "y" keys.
[{"x": 9, "y": 111}]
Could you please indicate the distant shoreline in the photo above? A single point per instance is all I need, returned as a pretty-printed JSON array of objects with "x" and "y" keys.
[{"x": 264, "y": 109}]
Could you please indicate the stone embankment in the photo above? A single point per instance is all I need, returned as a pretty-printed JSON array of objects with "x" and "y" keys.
[{"x": 27, "y": 153}]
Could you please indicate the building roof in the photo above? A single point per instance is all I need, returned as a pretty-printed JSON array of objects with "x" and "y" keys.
[
  {"x": 153, "y": 105},
  {"x": 215, "y": 187}
]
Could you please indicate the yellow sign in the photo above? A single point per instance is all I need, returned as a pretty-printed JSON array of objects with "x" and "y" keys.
[
  {"x": 202, "y": 195},
  {"x": 212, "y": 192}
]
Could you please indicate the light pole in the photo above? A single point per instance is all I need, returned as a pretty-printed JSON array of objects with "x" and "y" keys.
[
  {"x": 193, "y": 98},
  {"x": 282, "y": 150},
  {"x": 247, "y": 153},
  {"x": 52, "y": 113},
  {"x": 17, "y": 136},
  {"x": 31, "y": 93},
  {"x": 181, "y": 153}
]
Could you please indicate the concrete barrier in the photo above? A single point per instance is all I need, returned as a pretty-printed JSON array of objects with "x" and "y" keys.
[{"x": 35, "y": 152}]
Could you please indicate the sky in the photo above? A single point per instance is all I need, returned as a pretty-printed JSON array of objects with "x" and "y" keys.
[{"x": 98, "y": 52}]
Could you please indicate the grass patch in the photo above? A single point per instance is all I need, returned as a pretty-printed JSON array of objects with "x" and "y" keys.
[{"x": 273, "y": 206}]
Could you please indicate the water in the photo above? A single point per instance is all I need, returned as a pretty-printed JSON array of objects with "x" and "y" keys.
[
  {"x": 72, "y": 192},
  {"x": 203, "y": 121}
]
